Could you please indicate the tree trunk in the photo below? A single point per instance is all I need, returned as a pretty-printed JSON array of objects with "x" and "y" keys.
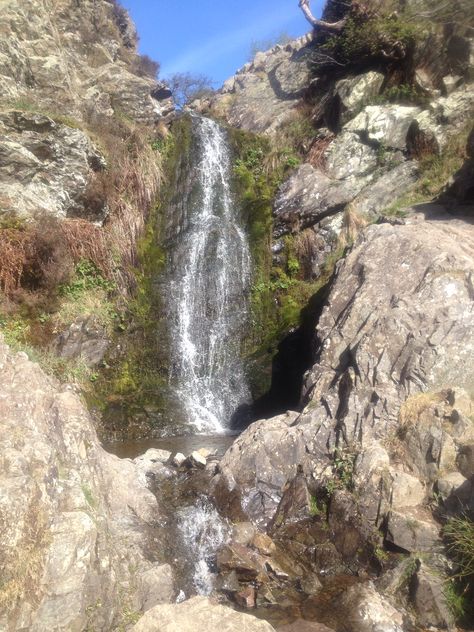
[{"x": 321, "y": 24}]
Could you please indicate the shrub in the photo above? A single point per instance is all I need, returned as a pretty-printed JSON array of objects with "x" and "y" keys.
[{"x": 145, "y": 66}]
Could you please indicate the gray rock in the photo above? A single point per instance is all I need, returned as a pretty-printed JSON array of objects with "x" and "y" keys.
[
  {"x": 430, "y": 601},
  {"x": 156, "y": 586},
  {"x": 83, "y": 64},
  {"x": 368, "y": 611},
  {"x": 178, "y": 459},
  {"x": 197, "y": 460},
  {"x": 72, "y": 514},
  {"x": 413, "y": 530},
  {"x": 307, "y": 197},
  {"x": 348, "y": 157},
  {"x": 465, "y": 460},
  {"x": 451, "y": 82},
  {"x": 45, "y": 167},
  {"x": 386, "y": 124},
  {"x": 198, "y": 613},
  {"x": 85, "y": 339},
  {"x": 264, "y": 93},
  {"x": 354, "y": 92}
]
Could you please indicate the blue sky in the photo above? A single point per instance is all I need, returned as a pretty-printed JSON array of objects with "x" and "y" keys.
[{"x": 212, "y": 37}]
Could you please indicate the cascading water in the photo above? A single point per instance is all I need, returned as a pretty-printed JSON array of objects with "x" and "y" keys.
[{"x": 208, "y": 289}]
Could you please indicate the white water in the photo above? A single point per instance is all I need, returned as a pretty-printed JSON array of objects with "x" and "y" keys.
[
  {"x": 203, "y": 532},
  {"x": 208, "y": 290}
]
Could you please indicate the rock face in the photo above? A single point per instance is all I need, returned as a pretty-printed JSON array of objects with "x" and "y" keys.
[
  {"x": 45, "y": 166},
  {"x": 73, "y": 517},
  {"x": 263, "y": 94},
  {"x": 83, "y": 61},
  {"x": 198, "y": 613},
  {"x": 395, "y": 334}
]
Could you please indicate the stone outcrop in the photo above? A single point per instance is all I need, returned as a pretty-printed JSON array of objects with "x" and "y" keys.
[
  {"x": 263, "y": 94},
  {"x": 74, "y": 518}
]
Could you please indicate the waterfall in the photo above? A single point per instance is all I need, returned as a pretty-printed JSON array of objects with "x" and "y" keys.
[{"x": 208, "y": 288}]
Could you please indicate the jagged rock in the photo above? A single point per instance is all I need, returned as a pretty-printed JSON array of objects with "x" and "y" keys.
[
  {"x": 74, "y": 517},
  {"x": 152, "y": 464},
  {"x": 413, "y": 530},
  {"x": 430, "y": 601},
  {"x": 386, "y": 124},
  {"x": 349, "y": 157},
  {"x": 197, "y": 613},
  {"x": 392, "y": 327},
  {"x": 246, "y": 597},
  {"x": 228, "y": 582},
  {"x": 407, "y": 490},
  {"x": 196, "y": 459},
  {"x": 383, "y": 191},
  {"x": 85, "y": 339},
  {"x": 264, "y": 93},
  {"x": 354, "y": 92},
  {"x": 368, "y": 611},
  {"x": 451, "y": 82},
  {"x": 45, "y": 167},
  {"x": 263, "y": 543},
  {"x": 307, "y": 197},
  {"x": 246, "y": 563}
]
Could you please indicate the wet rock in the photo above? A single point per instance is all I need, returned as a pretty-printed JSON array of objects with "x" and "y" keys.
[
  {"x": 413, "y": 530},
  {"x": 294, "y": 504},
  {"x": 246, "y": 597},
  {"x": 367, "y": 611},
  {"x": 228, "y": 582},
  {"x": 152, "y": 464},
  {"x": 197, "y": 613},
  {"x": 178, "y": 459},
  {"x": 246, "y": 563},
  {"x": 243, "y": 533},
  {"x": 196, "y": 459},
  {"x": 263, "y": 543},
  {"x": 430, "y": 601}
]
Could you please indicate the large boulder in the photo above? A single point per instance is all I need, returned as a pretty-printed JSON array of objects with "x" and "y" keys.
[
  {"x": 396, "y": 328},
  {"x": 198, "y": 613},
  {"x": 74, "y": 518}
]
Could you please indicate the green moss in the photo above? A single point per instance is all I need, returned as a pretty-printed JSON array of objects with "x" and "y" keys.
[
  {"x": 279, "y": 293},
  {"x": 138, "y": 379}
]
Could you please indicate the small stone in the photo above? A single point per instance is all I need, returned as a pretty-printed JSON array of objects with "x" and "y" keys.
[
  {"x": 451, "y": 82},
  {"x": 178, "y": 459},
  {"x": 310, "y": 584},
  {"x": 246, "y": 598},
  {"x": 197, "y": 460}
]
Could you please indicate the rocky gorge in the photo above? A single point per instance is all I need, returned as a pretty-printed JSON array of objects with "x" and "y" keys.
[{"x": 336, "y": 175}]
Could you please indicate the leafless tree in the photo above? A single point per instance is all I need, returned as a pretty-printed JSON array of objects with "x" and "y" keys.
[{"x": 335, "y": 27}]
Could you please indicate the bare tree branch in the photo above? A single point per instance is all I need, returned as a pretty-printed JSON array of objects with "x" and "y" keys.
[{"x": 328, "y": 26}]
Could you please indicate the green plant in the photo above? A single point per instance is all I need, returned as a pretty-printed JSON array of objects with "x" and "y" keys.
[
  {"x": 316, "y": 508},
  {"x": 459, "y": 535},
  {"x": 456, "y": 599}
]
